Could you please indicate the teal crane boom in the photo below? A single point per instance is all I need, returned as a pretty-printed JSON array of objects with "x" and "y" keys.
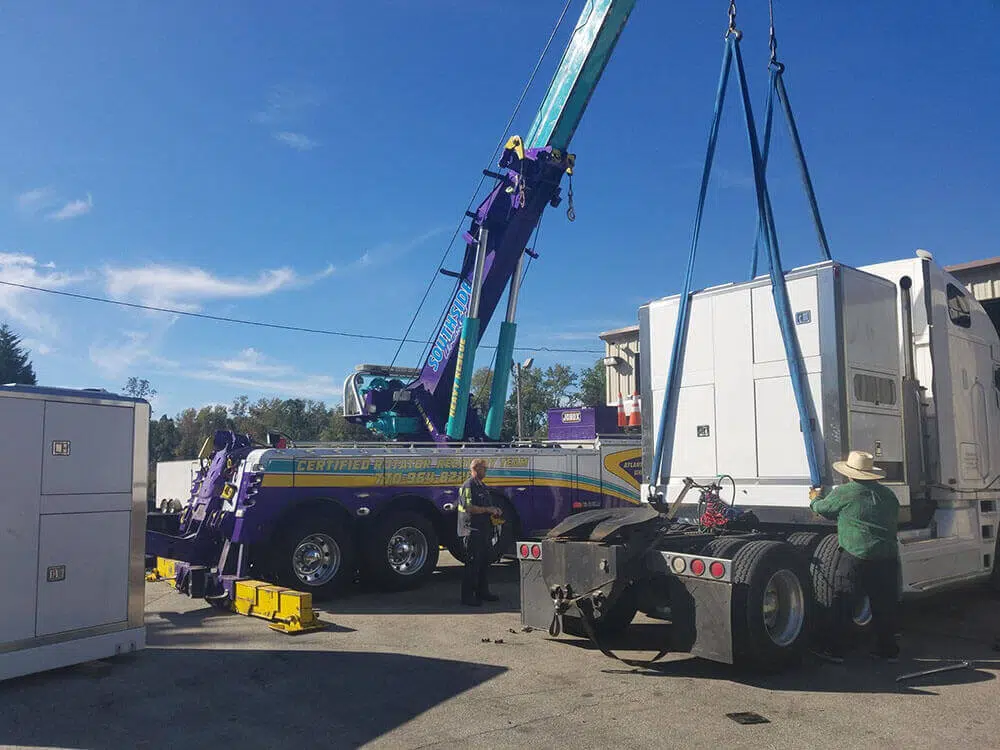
[{"x": 435, "y": 404}]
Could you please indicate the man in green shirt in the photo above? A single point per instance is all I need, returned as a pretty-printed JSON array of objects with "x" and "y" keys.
[{"x": 867, "y": 515}]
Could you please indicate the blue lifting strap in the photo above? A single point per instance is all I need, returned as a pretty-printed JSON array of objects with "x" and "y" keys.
[
  {"x": 664, "y": 440},
  {"x": 777, "y": 90},
  {"x": 680, "y": 330},
  {"x": 793, "y": 354}
]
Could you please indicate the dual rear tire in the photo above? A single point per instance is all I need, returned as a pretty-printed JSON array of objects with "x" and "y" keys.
[
  {"x": 771, "y": 604},
  {"x": 316, "y": 552}
]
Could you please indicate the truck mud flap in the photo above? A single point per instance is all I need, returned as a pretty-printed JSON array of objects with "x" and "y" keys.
[{"x": 701, "y": 618}]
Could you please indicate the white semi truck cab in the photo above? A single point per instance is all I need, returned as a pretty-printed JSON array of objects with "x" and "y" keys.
[{"x": 899, "y": 360}]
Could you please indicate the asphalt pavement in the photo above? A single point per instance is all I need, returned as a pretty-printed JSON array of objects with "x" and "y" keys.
[{"x": 417, "y": 670}]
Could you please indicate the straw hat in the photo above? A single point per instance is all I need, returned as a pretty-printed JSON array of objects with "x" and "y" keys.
[{"x": 859, "y": 465}]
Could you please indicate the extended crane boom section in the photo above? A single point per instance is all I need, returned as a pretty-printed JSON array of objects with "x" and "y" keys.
[{"x": 435, "y": 404}]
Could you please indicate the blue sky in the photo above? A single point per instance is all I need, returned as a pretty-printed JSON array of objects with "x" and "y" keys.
[{"x": 307, "y": 162}]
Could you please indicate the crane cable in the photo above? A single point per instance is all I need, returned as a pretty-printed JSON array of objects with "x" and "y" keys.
[
  {"x": 663, "y": 445},
  {"x": 482, "y": 180},
  {"x": 777, "y": 90}
]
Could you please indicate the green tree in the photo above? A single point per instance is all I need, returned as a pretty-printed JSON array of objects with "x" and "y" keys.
[
  {"x": 593, "y": 385},
  {"x": 557, "y": 383},
  {"x": 535, "y": 401},
  {"x": 339, "y": 430},
  {"x": 15, "y": 366},
  {"x": 164, "y": 439},
  {"x": 482, "y": 381},
  {"x": 138, "y": 388},
  {"x": 195, "y": 425}
]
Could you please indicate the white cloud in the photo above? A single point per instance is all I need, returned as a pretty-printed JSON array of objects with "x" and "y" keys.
[
  {"x": 287, "y": 104},
  {"x": 299, "y": 386},
  {"x": 389, "y": 251},
  {"x": 187, "y": 288},
  {"x": 23, "y": 306},
  {"x": 286, "y": 110},
  {"x": 34, "y": 200},
  {"x": 37, "y": 347},
  {"x": 121, "y": 357},
  {"x": 73, "y": 209},
  {"x": 298, "y": 141},
  {"x": 252, "y": 370},
  {"x": 251, "y": 361}
]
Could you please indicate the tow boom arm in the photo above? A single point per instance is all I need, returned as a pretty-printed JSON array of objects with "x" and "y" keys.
[{"x": 435, "y": 404}]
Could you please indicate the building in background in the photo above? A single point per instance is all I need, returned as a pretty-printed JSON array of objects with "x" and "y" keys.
[
  {"x": 621, "y": 363},
  {"x": 982, "y": 279}
]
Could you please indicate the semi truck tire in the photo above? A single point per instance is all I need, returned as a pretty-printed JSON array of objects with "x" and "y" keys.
[
  {"x": 402, "y": 551},
  {"x": 614, "y": 621},
  {"x": 723, "y": 547},
  {"x": 771, "y": 606},
  {"x": 806, "y": 543},
  {"x": 314, "y": 553},
  {"x": 826, "y": 582}
]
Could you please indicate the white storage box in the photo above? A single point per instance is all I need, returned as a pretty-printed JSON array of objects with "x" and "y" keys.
[
  {"x": 736, "y": 411},
  {"x": 73, "y": 480}
]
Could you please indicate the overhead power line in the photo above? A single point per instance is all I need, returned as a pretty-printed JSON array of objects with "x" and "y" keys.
[{"x": 265, "y": 324}]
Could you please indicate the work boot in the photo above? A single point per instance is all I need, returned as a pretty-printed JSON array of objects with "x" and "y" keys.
[{"x": 489, "y": 596}]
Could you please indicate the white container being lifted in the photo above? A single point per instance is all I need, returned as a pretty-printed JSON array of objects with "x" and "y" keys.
[
  {"x": 900, "y": 361},
  {"x": 73, "y": 477}
]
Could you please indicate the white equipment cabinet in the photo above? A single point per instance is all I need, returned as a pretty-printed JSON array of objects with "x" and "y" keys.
[{"x": 73, "y": 481}]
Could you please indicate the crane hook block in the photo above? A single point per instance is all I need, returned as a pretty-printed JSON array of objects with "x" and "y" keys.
[{"x": 517, "y": 145}]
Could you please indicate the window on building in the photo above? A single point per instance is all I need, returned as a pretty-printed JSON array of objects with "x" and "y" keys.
[
  {"x": 873, "y": 389},
  {"x": 958, "y": 307}
]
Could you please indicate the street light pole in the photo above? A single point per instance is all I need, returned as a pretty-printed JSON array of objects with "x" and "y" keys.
[{"x": 517, "y": 383}]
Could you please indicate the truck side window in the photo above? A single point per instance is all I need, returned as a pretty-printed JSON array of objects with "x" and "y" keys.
[
  {"x": 958, "y": 307},
  {"x": 875, "y": 390}
]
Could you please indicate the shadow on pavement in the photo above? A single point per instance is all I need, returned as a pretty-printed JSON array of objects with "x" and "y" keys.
[
  {"x": 932, "y": 644},
  {"x": 439, "y": 595},
  {"x": 176, "y": 698}
]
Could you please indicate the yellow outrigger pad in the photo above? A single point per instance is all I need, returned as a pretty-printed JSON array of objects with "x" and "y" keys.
[
  {"x": 165, "y": 570},
  {"x": 287, "y": 610}
]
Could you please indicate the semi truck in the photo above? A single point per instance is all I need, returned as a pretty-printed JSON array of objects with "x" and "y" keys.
[{"x": 899, "y": 360}]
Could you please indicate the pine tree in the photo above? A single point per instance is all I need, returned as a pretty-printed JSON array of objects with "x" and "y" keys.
[{"x": 15, "y": 367}]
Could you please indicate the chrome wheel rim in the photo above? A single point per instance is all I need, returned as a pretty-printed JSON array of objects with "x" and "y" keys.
[
  {"x": 407, "y": 551},
  {"x": 316, "y": 559},
  {"x": 783, "y": 608},
  {"x": 862, "y": 615}
]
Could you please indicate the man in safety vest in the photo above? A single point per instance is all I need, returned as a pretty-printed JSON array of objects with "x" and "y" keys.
[
  {"x": 867, "y": 515},
  {"x": 475, "y": 528}
]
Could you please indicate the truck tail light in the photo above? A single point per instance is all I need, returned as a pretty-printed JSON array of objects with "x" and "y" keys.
[
  {"x": 524, "y": 550},
  {"x": 717, "y": 570},
  {"x": 536, "y": 551},
  {"x": 697, "y": 567},
  {"x": 678, "y": 565}
]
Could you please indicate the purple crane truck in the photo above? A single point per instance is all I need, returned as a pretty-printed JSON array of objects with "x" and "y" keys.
[{"x": 309, "y": 517}]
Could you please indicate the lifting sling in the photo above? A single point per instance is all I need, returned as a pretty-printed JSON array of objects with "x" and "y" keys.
[
  {"x": 663, "y": 446},
  {"x": 776, "y": 89}
]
